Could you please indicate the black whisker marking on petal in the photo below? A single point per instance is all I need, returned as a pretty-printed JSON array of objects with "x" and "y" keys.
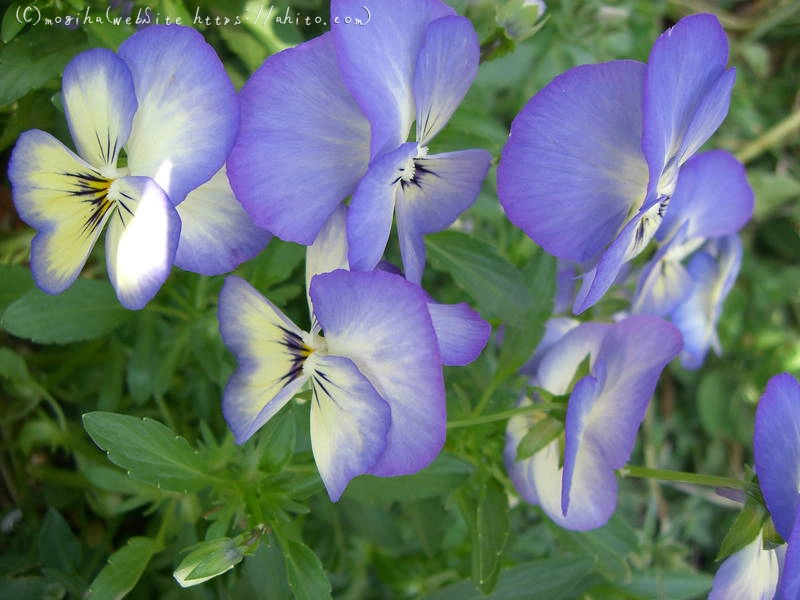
[
  {"x": 108, "y": 146},
  {"x": 100, "y": 145},
  {"x": 125, "y": 206}
]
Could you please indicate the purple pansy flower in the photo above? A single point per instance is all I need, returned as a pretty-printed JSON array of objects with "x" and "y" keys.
[
  {"x": 756, "y": 571},
  {"x": 604, "y": 411},
  {"x": 593, "y": 159},
  {"x": 165, "y": 100},
  {"x": 331, "y": 118}
]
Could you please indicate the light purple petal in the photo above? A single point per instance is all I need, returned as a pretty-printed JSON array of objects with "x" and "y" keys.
[
  {"x": 99, "y": 101},
  {"x": 349, "y": 422},
  {"x": 217, "y": 235},
  {"x": 188, "y": 112},
  {"x": 749, "y": 574},
  {"x": 789, "y": 586},
  {"x": 686, "y": 95},
  {"x": 554, "y": 330},
  {"x": 572, "y": 170},
  {"x": 461, "y": 332},
  {"x": 329, "y": 250},
  {"x": 443, "y": 187},
  {"x": 369, "y": 217},
  {"x": 303, "y": 144},
  {"x": 712, "y": 196},
  {"x": 63, "y": 198},
  {"x": 521, "y": 472},
  {"x": 381, "y": 322},
  {"x": 377, "y": 60},
  {"x": 776, "y": 448},
  {"x": 141, "y": 240},
  {"x": 446, "y": 65},
  {"x": 559, "y": 363},
  {"x": 663, "y": 284},
  {"x": 265, "y": 343}
]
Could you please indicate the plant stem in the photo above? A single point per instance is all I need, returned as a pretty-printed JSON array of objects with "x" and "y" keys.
[
  {"x": 505, "y": 414},
  {"x": 770, "y": 138},
  {"x": 683, "y": 477}
]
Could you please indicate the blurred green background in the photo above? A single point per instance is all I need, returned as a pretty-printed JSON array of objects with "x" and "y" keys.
[{"x": 65, "y": 508}]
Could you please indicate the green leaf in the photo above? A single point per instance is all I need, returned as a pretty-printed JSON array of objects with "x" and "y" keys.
[
  {"x": 276, "y": 441},
  {"x": 541, "y": 433},
  {"x": 610, "y": 545},
  {"x": 306, "y": 576},
  {"x": 714, "y": 397},
  {"x": 17, "y": 281},
  {"x": 493, "y": 282},
  {"x": 124, "y": 569},
  {"x": 148, "y": 450},
  {"x": 29, "y": 61},
  {"x": 675, "y": 586},
  {"x": 144, "y": 360},
  {"x": 744, "y": 529},
  {"x": 12, "y": 22},
  {"x": 58, "y": 548},
  {"x": 549, "y": 579},
  {"x": 489, "y": 535},
  {"x": 441, "y": 477},
  {"x": 87, "y": 310},
  {"x": 207, "y": 560}
]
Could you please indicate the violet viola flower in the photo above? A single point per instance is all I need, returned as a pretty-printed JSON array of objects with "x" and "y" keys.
[
  {"x": 331, "y": 118},
  {"x": 604, "y": 412},
  {"x": 593, "y": 159},
  {"x": 165, "y": 100},
  {"x": 757, "y": 571}
]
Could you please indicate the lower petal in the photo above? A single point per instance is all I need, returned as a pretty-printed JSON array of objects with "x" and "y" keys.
[
  {"x": 349, "y": 422},
  {"x": 141, "y": 241},
  {"x": 62, "y": 197},
  {"x": 217, "y": 235},
  {"x": 749, "y": 574}
]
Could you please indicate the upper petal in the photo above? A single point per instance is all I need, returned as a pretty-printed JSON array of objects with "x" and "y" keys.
[
  {"x": 99, "y": 101},
  {"x": 377, "y": 60},
  {"x": 686, "y": 95},
  {"x": 270, "y": 352},
  {"x": 64, "y": 199},
  {"x": 381, "y": 322},
  {"x": 446, "y": 65},
  {"x": 188, "y": 111},
  {"x": 217, "y": 235},
  {"x": 349, "y": 422},
  {"x": 572, "y": 170},
  {"x": 559, "y": 363},
  {"x": 461, "y": 332},
  {"x": 141, "y": 241},
  {"x": 776, "y": 448},
  {"x": 303, "y": 144}
]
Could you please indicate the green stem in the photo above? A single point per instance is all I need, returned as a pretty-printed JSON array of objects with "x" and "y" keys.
[
  {"x": 693, "y": 478},
  {"x": 770, "y": 138},
  {"x": 168, "y": 311},
  {"x": 505, "y": 414}
]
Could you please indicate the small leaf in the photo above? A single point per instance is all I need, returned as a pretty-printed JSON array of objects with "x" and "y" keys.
[
  {"x": 148, "y": 450},
  {"x": 541, "y": 433},
  {"x": 12, "y": 22},
  {"x": 87, "y": 310},
  {"x": 306, "y": 576},
  {"x": 17, "y": 281},
  {"x": 744, "y": 529},
  {"x": 492, "y": 527},
  {"x": 493, "y": 282},
  {"x": 124, "y": 569},
  {"x": 276, "y": 441},
  {"x": 58, "y": 548}
]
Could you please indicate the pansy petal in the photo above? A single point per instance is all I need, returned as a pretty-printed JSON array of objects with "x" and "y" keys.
[
  {"x": 303, "y": 144},
  {"x": 572, "y": 170},
  {"x": 461, "y": 332},
  {"x": 377, "y": 60},
  {"x": 381, "y": 322},
  {"x": 446, "y": 65},
  {"x": 558, "y": 364},
  {"x": 712, "y": 196},
  {"x": 141, "y": 241},
  {"x": 521, "y": 472},
  {"x": 349, "y": 422},
  {"x": 686, "y": 94},
  {"x": 749, "y": 574},
  {"x": 64, "y": 199},
  {"x": 188, "y": 110},
  {"x": 443, "y": 187},
  {"x": 776, "y": 448},
  {"x": 789, "y": 586},
  {"x": 554, "y": 330},
  {"x": 270, "y": 351},
  {"x": 99, "y": 101},
  {"x": 369, "y": 217},
  {"x": 217, "y": 235},
  {"x": 663, "y": 285}
]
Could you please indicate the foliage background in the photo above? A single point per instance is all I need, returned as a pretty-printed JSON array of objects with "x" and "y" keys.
[{"x": 66, "y": 508}]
